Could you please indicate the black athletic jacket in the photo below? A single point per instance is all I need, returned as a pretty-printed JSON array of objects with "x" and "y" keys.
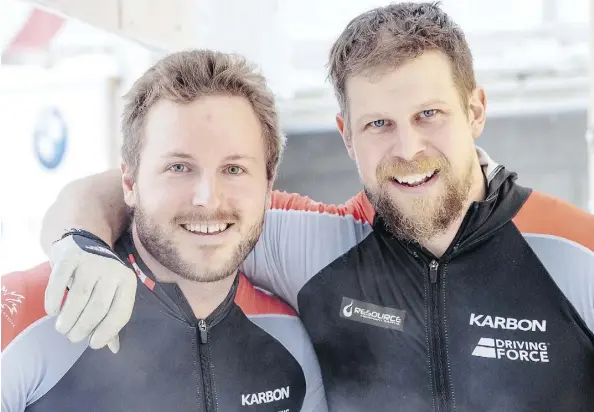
[
  {"x": 502, "y": 322},
  {"x": 251, "y": 354}
]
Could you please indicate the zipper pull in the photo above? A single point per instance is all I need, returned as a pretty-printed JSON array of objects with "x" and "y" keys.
[
  {"x": 433, "y": 266},
  {"x": 203, "y": 331}
]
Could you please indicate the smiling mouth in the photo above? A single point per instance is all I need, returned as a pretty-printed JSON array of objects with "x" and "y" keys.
[
  {"x": 207, "y": 228},
  {"x": 415, "y": 180}
]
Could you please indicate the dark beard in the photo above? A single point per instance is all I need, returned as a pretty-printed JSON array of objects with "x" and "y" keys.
[{"x": 157, "y": 243}]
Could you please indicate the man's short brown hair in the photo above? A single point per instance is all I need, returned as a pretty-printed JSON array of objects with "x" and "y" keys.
[
  {"x": 186, "y": 76},
  {"x": 386, "y": 37}
]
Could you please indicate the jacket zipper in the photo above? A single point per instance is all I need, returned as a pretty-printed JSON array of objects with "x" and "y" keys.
[
  {"x": 436, "y": 341},
  {"x": 205, "y": 366},
  {"x": 202, "y": 328}
]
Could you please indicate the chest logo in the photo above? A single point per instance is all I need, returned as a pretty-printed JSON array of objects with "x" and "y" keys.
[
  {"x": 258, "y": 398},
  {"x": 370, "y": 314},
  {"x": 513, "y": 350}
]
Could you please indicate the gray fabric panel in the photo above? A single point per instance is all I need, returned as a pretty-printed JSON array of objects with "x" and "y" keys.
[
  {"x": 295, "y": 245},
  {"x": 34, "y": 362},
  {"x": 289, "y": 331},
  {"x": 571, "y": 266}
]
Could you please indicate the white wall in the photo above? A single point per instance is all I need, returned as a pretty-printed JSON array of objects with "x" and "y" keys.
[{"x": 84, "y": 100}]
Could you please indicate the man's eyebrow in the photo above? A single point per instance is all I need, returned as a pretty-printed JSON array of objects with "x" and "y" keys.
[
  {"x": 238, "y": 156},
  {"x": 379, "y": 115},
  {"x": 230, "y": 158},
  {"x": 181, "y": 155},
  {"x": 367, "y": 117},
  {"x": 431, "y": 102}
]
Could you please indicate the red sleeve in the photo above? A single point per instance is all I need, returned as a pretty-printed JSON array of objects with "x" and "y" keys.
[
  {"x": 255, "y": 302},
  {"x": 358, "y": 206},
  {"x": 546, "y": 215},
  {"x": 22, "y": 300}
]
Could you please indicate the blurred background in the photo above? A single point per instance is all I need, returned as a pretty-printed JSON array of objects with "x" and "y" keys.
[{"x": 66, "y": 63}]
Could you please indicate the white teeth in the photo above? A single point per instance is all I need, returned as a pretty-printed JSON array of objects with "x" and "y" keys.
[
  {"x": 415, "y": 179},
  {"x": 206, "y": 228}
]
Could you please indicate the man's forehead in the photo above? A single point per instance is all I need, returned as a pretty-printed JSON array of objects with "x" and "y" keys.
[
  {"x": 225, "y": 118},
  {"x": 203, "y": 110},
  {"x": 394, "y": 93},
  {"x": 174, "y": 131},
  {"x": 430, "y": 70}
]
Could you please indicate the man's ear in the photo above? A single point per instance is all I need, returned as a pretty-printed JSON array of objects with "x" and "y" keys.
[
  {"x": 128, "y": 185},
  {"x": 344, "y": 130},
  {"x": 478, "y": 111}
]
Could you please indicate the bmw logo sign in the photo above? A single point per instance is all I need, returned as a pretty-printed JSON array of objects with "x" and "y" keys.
[{"x": 50, "y": 138}]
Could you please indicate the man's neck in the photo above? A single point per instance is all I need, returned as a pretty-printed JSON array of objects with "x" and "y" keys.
[
  {"x": 203, "y": 297},
  {"x": 478, "y": 191}
]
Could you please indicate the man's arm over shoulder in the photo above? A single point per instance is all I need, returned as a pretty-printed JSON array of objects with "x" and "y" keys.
[
  {"x": 95, "y": 203},
  {"x": 301, "y": 237},
  {"x": 562, "y": 236},
  {"x": 32, "y": 357}
]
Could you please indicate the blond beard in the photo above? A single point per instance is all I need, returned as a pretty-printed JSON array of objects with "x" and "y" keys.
[
  {"x": 158, "y": 244},
  {"x": 425, "y": 217}
]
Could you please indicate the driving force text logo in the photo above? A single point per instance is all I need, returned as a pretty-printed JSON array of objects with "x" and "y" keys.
[{"x": 513, "y": 350}]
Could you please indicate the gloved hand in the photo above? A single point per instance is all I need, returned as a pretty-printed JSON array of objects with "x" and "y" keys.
[{"x": 101, "y": 290}]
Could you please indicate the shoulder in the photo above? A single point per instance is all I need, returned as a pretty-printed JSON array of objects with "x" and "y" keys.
[
  {"x": 279, "y": 321},
  {"x": 22, "y": 300},
  {"x": 562, "y": 237},
  {"x": 545, "y": 215},
  {"x": 34, "y": 355},
  {"x": 255, "y": 302}
]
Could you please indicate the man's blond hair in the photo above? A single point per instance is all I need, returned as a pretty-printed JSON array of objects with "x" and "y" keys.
[{"x": 186, "y": 76}]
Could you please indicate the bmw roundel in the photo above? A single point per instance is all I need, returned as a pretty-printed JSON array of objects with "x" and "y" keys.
[{"x": 50, "y": 138}]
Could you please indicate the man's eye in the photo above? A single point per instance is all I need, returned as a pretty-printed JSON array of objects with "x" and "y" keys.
[
  {"x": 234, "y": 170},
  {"x": 378, "y": 123},
  {"x": 178, "y": 168},
  {"x": 428, "y": 113}
]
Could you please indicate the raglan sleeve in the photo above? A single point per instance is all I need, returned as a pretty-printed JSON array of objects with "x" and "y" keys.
[
  {"x": 562, "y": 237},
  {"x": 300, "y": 237},
  {"x": 34, "y": 355}
]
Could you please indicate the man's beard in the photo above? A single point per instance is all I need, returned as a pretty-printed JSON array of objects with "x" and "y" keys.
[
  {"x": 157, "y": 242},
  {"x": 431, "y": 215}
]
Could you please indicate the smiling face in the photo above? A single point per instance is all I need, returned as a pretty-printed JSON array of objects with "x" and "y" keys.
[
  {"x": 412, "y": 138},
  {"x": 201, "y": 187}
]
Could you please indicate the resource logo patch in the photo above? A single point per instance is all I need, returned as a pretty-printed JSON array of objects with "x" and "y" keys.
[{"x": 371, "y": 314}]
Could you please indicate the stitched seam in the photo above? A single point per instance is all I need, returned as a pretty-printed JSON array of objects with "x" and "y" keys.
[
  {"x": 345, "y": 216},
  {"x": 196, "y": 366},
  {"x": 427, "y": 340},
  {"x": 212, "y": 382},
  {"x": 447, "y": 346}
]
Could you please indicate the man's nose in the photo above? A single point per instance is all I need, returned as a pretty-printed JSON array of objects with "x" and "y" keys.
[
  {"x": 205, "y": 192},
  {"x": 407, "y": 143}
]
